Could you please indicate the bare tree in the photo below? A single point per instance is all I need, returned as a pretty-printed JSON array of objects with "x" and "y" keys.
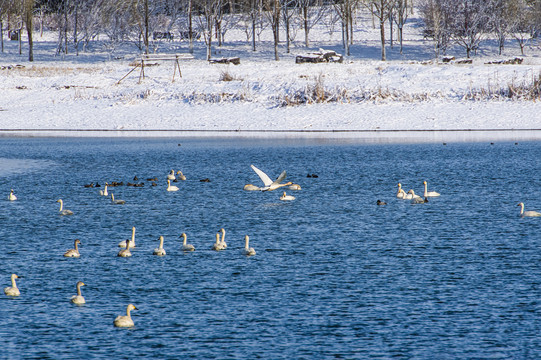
[
  {"x": 271, "y": 10},
  {"x": 381, "y": 9},
  {"x": 345, "y": 8},
  {"x": 401, "y": 15},
  {"x": 436, "y": 17},
  {"x": 312, "y": 13},
  {"x": 470, "y": 23}
]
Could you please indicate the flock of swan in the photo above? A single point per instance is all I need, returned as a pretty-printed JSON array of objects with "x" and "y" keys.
[
  {"x": 416, "y": 199},
  {"x": 127, "y": 245},
  {"x": 219, "y": 244}
]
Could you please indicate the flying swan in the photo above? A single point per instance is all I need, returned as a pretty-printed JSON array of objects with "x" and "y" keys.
[
  {"x": 160, "y": 251},
  {"x": 530, "y": 213},
  {"x": 78, "y": 299},
  {"x": 132, "y": 241},
  {"x": 73, "y": 252},
  {"x": 125, "y": 321},
  {"x": 63, "y": 212},
  {"x": 269, "y": 184},
  {"x": 12, "y": 290},
  {"x": 186, "y": 247}
]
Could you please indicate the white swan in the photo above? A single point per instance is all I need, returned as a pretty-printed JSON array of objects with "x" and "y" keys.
[
  {"x": 171, "y": 188},
  {"x": 117, "y": 201},
  {"x": 160, "y": 251},
  {"x": 250, "y": 187},
  {"x": 294, "y": 187},
  {"x": 78, "y": 299},
  {"x": 132, "y": 241},
  {"x": 429, "y": 193},
  {"x": 125, "y": 252},
  {"x": 12, "y": 290},
  {"x": 125, "y": 321},
  {"x": 248, "y": 251},
  {"x": 171, "y": 175},
  {"x": 11, "y": 196},
  {"x": 217, "y": 245},
  {"x": 61, "y": 211},
  {"x": 285, "y": 197},
  {"x": 530, "y": 213},
  {"x": 104, "y": 192},
  {"x": 222, "y": 240},
  {"x": 181, "y": 175},
  {"x": 401, "y": 194},
  {"x": 411, "y": 195},
  {"x": 185, "y": 246},
  {"x": 73, "y": 252},
  {"x": 269, "y": 184}
]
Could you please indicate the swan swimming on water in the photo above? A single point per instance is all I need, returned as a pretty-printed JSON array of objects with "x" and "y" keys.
[
  {"x": 132, "y": 241},
  {"x": 12, "y": 290},
  {"x": 160, "y": 251},
  {"x": 171, "y": 188},
  {"x": 125, "y": 252},
  {"x": 248, "y": 251},
  {"x": 269, "y": 184},
  {"x": 117, "y": 201},
  {"x": 529, "y": 213},
  {"x": 411, "y": 195},
  {"x": 78, "y": 299},
  {"x": 125, "y": 321},
  {"x": 285, "y": 197},
  {"x": 429, "y": 193},
  {"x": 171, "y": 175},
  {"x": 73, "y": 252},
  {"x": 104, "y": 192},
  {"x": 61, "y": 211},
  {"x": 294, "y": 187},
  {"x": 217, "y": 245},
  {"x": 181, "y": 175},
  {"x": 11, "y": 196},
  {"x": 222, "y": 241},
  {"x": 401, "y": 194},
  {"x": 250, "y": 187},
  {"x": 185, "y": 246}
]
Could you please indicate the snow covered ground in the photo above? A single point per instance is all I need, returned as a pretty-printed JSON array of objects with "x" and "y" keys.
[{"x": 402, "y": 98}]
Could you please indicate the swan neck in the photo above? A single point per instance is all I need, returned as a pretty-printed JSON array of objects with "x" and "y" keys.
[
  {"x": 13, "y": 283},
  {"x": 79, "y": 289},
  {"x": 246, "y": 241},
  {"x": 61, "y": 204},
  {"x": 184, "y": 239},
  {"x": 161, "y": 242}
]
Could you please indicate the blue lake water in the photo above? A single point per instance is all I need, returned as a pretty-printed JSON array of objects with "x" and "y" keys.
[{"x": 335, "y": 275}]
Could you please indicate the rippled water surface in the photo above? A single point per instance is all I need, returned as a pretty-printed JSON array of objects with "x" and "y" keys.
[{"x": 335, "y": 275}]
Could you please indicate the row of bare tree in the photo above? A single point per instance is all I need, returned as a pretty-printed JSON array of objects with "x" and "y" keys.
[{"x": 79, "y": 22}]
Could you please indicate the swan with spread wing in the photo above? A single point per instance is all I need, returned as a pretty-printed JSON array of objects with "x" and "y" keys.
[{"x": 269, "y": 184}]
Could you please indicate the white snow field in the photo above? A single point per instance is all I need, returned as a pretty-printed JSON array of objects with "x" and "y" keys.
[{"x": 411, "y": 96}]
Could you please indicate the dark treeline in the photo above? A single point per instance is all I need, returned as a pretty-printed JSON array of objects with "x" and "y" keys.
[{"x": 148, "y": 22}]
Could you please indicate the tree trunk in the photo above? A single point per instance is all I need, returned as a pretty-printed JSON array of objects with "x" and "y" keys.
[
  {"x": 190, "y": 27},
  {"x": 382, "y": 34},
  {"x": 2, "y": 34},
  {"x": 29, "y": 14},
  {"x": 146, "y": 26},
  {"x": 305, "y": 22}
]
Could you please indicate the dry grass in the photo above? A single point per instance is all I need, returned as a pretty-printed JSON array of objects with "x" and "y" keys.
[{"x": 46, "y": 71}]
